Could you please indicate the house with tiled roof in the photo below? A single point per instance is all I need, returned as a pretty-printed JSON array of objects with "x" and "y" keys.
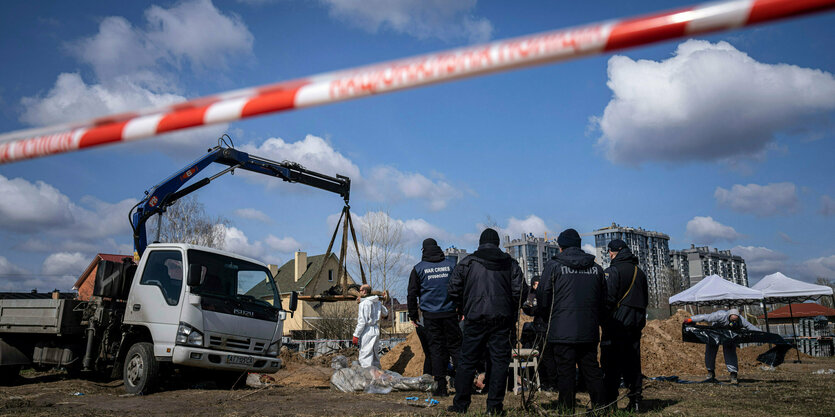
[
  {"x": 87, "y": 280},
  {"x": 300, "y": 274}
]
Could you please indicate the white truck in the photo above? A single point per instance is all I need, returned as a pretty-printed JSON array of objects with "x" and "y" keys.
[{"x": 180, "y": 306}]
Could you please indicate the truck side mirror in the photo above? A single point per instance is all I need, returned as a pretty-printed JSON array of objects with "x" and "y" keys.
[
  {"x": 294, "y": 301},
  {"x": 195, "y": 272}
]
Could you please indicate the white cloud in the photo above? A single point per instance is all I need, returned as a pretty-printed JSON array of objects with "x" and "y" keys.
[
  {"x": 762, "y": 200},
  {"x": 760, "y": 261},
  {"x": 59, "y": 271},
  {"x": 312, "y": 152},
  {"x": 785, "y": 237},
  {"x": 414, "y": 231},
  {"x": 8, "y": 268},
  {"x": 136, "y": 68},
  {"x": 70, "y": 264},
  {"x": 236, "y": 241},
  {"x": 387, "y": 183},
  {"x": 253, "y": 214},
  {"x": 198, "y": 32},
  {"x": 442, "y": 19},
  {"x": 820, "y": 267},
  {"x": 517, "y": 227},
  {"x": 705, "y": 230},
  {"x": 707, "y": 102},
  {"x": 29, "y": 208},
  {"x": 384, "y": 184},
  {"x": 71, "y": 99},
  {"x": 827, "y": 205},
  {"x": 283, "y": 244},
  {"x": 16, "y": 278},
  {"x": 591, "y": 250}
]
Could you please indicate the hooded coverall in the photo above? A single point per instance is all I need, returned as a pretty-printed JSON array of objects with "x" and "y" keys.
[
  {"x": 368, "y": 330},
  {"x": 719, "y": 318}
]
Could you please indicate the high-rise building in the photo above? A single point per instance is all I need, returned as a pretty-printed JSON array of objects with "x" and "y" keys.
[
  {"x": 702, "y": 261},
  {"x": 531, "y": 252},
  {"x": 652, "y": 250},
  {"x": 455, "y": 253},
  {"x": 680, "y": 264}
]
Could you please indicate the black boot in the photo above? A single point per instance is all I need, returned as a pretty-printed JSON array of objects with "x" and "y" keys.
[
  {"x": 441, "y": 390},
  {"x": 711, "y": 376}
]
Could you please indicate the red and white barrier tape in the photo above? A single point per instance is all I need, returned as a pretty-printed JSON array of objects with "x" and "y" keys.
[{"x": 397, "y": 75}]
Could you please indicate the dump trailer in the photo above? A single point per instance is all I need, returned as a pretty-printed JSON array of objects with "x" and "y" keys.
[{"x": 181, "y": 306}]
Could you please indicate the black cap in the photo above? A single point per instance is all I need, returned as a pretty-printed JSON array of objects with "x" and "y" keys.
[
  {"x": 429, "y": 243},
  {"x": 616, "y": 245},
  {"x": 569, "y": 238},
  {"x": 489, "y": 236}
]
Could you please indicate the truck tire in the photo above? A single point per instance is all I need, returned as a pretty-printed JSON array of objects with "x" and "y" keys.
[{"x": 141, "y": 369}]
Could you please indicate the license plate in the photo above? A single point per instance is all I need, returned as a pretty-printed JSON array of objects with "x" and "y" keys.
[{"x": 239, "y": 360}]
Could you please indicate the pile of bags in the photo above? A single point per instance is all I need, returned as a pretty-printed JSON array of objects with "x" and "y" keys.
[{"x": 373, "y": 380}]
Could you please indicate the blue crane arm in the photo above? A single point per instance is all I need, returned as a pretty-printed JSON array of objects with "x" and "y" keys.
[{"x": 167, "y": 192}]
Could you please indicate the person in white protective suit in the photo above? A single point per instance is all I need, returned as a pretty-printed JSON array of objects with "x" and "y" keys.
[
  {"x": 367, "y": 333},
  {"x": 729, "y": 319}
]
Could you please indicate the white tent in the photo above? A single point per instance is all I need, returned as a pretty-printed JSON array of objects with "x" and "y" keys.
[
  {"x": 778, "y": 288},
  {"x": 713, "y": 290}
]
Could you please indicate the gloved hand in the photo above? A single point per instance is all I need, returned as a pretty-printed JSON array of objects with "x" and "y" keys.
[
  {"x": 688, "y": 321},
  {"x": 355, "y": 341}
]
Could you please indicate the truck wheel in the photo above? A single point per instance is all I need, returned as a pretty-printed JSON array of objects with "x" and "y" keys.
[
  {"x": 141, "y": 369},
  {"x": 9, "y": 374}
]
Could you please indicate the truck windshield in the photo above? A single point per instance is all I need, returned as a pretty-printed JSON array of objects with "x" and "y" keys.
[{"x": 227, "y": 277}]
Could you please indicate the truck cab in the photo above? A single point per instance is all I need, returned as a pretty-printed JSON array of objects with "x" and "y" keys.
[{"x": 196, "y": 305}]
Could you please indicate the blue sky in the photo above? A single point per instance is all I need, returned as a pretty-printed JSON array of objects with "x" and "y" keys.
[{"x": 724, "y": 140}]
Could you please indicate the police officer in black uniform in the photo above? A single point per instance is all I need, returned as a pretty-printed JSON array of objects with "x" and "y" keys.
[
  {"x": 428, "y": 286},
  {"x": 487, "y": 289},
  {"x": 573, "y": 291},
  {"x": 620, "y": 349}
]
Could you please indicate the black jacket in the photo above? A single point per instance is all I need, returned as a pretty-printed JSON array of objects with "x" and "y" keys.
[
  {"x": 633, "y": 308},
  {"x": 487, "y": 285},
  {"x": 430, "y": 287},
  {"x": 573, "y": 290}
]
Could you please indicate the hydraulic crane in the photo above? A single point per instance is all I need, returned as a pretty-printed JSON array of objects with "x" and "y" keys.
[{"x": 167, "y": 192}]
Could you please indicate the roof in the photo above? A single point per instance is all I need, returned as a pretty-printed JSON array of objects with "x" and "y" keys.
[
  {"x": 780, "y": 288},
  {"x": 285, "y": 278},
  {"x": 96, "y": 259},
  {"x": 800, "y": 310},
  {"x": 34, "y": 295},
  {"x": 715, "y": 289}
]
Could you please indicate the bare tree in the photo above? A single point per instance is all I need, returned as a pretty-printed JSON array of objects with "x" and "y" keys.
[
  {"x": 670, "y": 282},
  {"x": 336, "y": 320},
  {"x": 827, "y": 301},
  {"x": 186, "y": 221},
  {"x": 381, "y": 249},
  {"x": 382, "y": 252},
  {"x": 490, "y": 222}
]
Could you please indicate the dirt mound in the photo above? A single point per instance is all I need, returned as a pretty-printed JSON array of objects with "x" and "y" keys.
[
  {"x": 303, "y": 375},
  {"x": 664, "y": 353},
  {"x": 406, "y": 358}
]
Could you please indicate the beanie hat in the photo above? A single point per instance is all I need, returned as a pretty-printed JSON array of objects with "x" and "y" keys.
[
  {"x": 569, "y": 238},
  {"x": 429, "y": 243},
  {"x": 616, "y": 245},
  {"x": 489, "y": 236}
]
